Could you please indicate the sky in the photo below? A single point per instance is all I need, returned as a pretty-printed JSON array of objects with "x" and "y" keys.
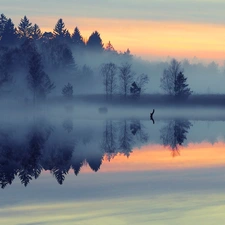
[{"x": 151, "y": 29}]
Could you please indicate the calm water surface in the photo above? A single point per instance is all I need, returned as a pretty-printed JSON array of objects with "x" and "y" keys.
[{"x": 107, "y": 170}]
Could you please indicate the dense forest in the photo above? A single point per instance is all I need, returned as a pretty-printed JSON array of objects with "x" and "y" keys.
[{"x": 36, "y": 64}]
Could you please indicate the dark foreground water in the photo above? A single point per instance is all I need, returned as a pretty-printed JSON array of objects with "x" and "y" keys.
[{"x": 69, "y": 170}]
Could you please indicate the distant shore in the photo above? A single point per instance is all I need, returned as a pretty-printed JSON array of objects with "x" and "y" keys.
[{"x": 197, "y": 100}]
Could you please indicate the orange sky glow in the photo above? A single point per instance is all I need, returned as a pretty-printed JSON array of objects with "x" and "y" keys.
[
  {"x": 157, "y": 157},
  {"x": 152, "y": 39}
]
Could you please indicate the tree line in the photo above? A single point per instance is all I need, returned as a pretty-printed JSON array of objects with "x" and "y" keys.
[{"x": 43, "y": 55}]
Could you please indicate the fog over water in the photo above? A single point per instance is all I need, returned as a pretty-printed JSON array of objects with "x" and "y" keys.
[{"x": 94, "y": 135}]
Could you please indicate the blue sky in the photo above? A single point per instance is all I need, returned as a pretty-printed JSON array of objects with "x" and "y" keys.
[{"x": 203, "y": 11}]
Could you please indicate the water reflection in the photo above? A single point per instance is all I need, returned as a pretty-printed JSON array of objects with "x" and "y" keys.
[
  {"x": 29, "y": 149},
  {"x": 174, "y": 133},
  {"x": 44, "y": 147}
]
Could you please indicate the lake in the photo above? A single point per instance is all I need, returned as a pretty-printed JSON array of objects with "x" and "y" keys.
[{"x": 82, "y": 167}]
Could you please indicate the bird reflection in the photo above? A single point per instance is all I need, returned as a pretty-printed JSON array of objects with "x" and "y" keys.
[{"x": 151, "y": 116}]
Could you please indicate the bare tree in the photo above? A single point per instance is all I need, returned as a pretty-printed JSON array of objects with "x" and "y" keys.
[
  {"x": 173, "y": 81},
  {"x": 126, "y": 76},
  {"x": 108, "y": 71},
  {"x": 142, "y": 80},
  {"x": 126, "y": 139},
  {"x": 108, "y": 144}
]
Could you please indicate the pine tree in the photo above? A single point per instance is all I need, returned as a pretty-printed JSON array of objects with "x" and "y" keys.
[
  {"x": 77, "y": 39},
  {"x": 8, "y": 36},
  {"x": 95, "y": 42},
  {"x": 59, "y": 30},
  {"x": 109, "y": 47},
  {"x": 36, "y": 32},
  {"x": 3, "y": 21},
  {"x": 25, "y": 28},
  {"x": 173, "y": 81},
  {"x": 181, "y": 87}
]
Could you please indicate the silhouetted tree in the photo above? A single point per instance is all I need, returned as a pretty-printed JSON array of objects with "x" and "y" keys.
[
  {"x": 61, "y": 161},
  {"x": 8, "y": 159},
  {"x": 8, "y": 36},
  {"x": 77, "y": 163},
  {"x": 38, "y": 81},
  {"x": 95, "y": 160},
  {"x": 3, "y": 21},
  {"x": 174, "y": 134},
  {"x": 108, "y": 71},
  {"x": 59, "y": 30},
  {"x": 173, "y": 81},
  {"x": 67, "y": 38},
  {"x": 127, "y": 55},
  {"x": 25, "y": 28},
  {"x": 31, "y": 161},
  {"x": 95, "y": 42},
  {"x": 181, "y": 87},
  {"x": 109, "y": 47},
  {"x": 77, "y": 39},
  {"x": 36, "y": 32},
  {"x": 125, "y": 76}
]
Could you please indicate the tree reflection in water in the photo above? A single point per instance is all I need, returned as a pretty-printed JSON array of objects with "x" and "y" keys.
[
  {"x": 40, "y": 147},
  {"x": 174, "y": 134}
]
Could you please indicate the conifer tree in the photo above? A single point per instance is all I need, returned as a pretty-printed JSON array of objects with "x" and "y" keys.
[
  {"x": 181, "y": 88},
  {"x": 95, "y": 42},
  {"x": 173, "y": 81},
  {"x": 25, "y": 28},
  {"x": 109, "y": 47},
  {"x": 3, "y": 21},
  {"x": 59, "y": 30},
  {"x": 36, "y": 32},
  {"x": 8, "y": 36},
  {"x": 77, "y": 39}
]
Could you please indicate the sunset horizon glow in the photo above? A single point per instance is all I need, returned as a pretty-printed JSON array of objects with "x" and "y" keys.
[
  {"x": 157, "y": 157},
  {"x": 149, "y": 40}
]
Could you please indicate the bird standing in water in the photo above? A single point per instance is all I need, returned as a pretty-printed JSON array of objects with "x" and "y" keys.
[{"x": 151, "y": 116}]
